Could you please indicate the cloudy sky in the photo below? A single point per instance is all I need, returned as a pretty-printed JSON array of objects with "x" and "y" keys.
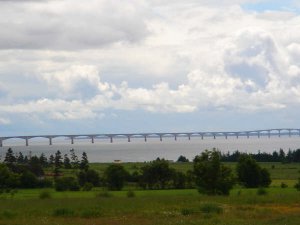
[{"x": 70, "y": 66}]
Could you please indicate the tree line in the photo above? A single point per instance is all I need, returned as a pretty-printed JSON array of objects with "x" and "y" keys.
[{"x": 208, "y": 174}]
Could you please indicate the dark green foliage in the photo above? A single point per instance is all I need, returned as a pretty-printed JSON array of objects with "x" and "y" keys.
[
  {"x": 211, "y": 176},
  {"x": 179, "y": 180},
  {"x": 88, "y": 176},
  {"x": 211, "y": 208},
  {"x": 283, "y": 185},
  {"x": 156, "y": 174},
  {"x": 57, "y": 163},
  {"x": 87, "y": 186},
  {"x": 63, "y": 212},
  {"x": 250, "y": 174},
  {"x": 84, "y": 163},
  {"x": 43, "y": 160},
  {"x": 74, "y": 159},
  {"x": 261, "y": 191},
  {"x": 28, "y": 180},
  {"x": 297, "y": 185},
  {"x": 66, "y": 184},
  {"x": 115, "y": 177},
  {"x": 51, "y": 160},
  {"x": 10, "y": 157},
  {"x": 67, "y": 162},
  {"x": 182, "y": 159},
  {"x": 130, "y": 194},
  {"x": 45, "y": 195},
  {"x": 35, "y": 166},
  {"x": 8, "y": 179}
]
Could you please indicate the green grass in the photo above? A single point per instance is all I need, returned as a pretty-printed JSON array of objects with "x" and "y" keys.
[{"x": 280, "y": 206}]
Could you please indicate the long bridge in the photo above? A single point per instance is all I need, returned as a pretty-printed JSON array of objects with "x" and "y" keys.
[{"x": 257, "y": 133}]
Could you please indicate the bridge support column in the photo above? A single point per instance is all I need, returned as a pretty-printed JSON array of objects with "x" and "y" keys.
[
  {"x": 214, "y": 136},
  {"x": 258, "y": 134},
  {"x": 27, "y": 142},
  {"x": 248, "y": 135},
  {"x": 202, "y": 136},
  {"x": 111, "y": 139},
  {"x": 72, "y": 140},
  {"x": 1, "y": 143},
  {"x": 128, "y": 138},
  {"x": 299, "y": 132},
  {"x": 226, "y": 136},
  {"x": 237, "y": 136},
  {"x": 160, "y": 137},
  {"x": 93, "y": 139},
  {"x": 279, "y": 133},
  {"x": 189, "y": 136},
  {"x": 175, "y": 137},
  {"x": 50, "y": 140},
  {"x": 269, "y": 134},
  {"x": 289, "y": 133},
  {"x": 145, "y": 138}
]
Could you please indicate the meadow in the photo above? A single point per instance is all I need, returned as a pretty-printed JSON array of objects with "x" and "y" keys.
[{"x": 243, "y": 206}]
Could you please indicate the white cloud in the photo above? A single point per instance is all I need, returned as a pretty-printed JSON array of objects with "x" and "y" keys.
[{"x": 4, "y": 121}]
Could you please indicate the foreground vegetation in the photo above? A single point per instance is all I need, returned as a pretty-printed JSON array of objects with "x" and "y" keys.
[
  {"x": 242, "y": 206},
  {"x": 143, "y": 193}
]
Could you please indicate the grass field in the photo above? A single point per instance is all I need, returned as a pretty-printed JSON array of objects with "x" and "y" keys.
[{"x": 243, "y": 206}]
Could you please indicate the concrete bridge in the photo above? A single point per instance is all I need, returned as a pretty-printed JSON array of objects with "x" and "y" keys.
[{"x": 257, "y": 133}]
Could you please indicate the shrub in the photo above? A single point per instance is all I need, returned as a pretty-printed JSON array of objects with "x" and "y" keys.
[
  {"x": 88, "y": 176},
  {"x": 250, "y": 174},
  {"x": 261, "y": 191},
  {"x": 90, "y": 213},
  {"x": 283, "y": 185},
  {"x": 297, "y": 185},
  {"x": 87, "y": 186},
  {"x": 186, "y": 211},
  {"x": 45, "y": 195},
  {"x": 130, "y": 194},
  {"x": 66, "y": 183},
  {"x": 104, "y": 194},
  {"x": 63, "y": 212},
  {"x": 211, "y": 208},
  {"x": 115, "y": 177},
  {"x": 211, "y": 176}
]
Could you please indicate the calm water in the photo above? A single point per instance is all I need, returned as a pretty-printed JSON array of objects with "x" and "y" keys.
[{"x": 139, "y": 151}]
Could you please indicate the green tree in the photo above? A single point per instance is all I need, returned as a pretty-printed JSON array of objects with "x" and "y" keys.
[
  {"x": 67, "y": 162},
  {"x": 84, "y": 163},
  {"x": 250, "y": 174},
  {"x": 211, "y": 176},
  {"x": 156, "y": 175},
  {"x": 115, "y": 176},
  {"x": 57, "y": 163},
  {"x": 9, "y": 157},
  {"x": 74, "y": 159},
  {"x": 88, "y": 176}
]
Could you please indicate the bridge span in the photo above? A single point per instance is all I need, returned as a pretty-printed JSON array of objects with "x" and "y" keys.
[{"x": 256, "y": 133}]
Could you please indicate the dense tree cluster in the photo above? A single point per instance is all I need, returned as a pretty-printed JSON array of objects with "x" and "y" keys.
[{"x": 275, "y": 156}]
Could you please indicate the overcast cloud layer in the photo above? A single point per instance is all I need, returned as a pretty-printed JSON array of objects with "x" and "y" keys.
[{"x": 129, "y": 66}]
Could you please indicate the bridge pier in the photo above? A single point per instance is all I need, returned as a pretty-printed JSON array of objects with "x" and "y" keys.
[
  {"x": 160, "y": 137},
  {"x": 226, "y": 136},
  {"x": 202, "y": 136},
  {"x": 50, "y": 140},
  {"x": 269, "y": 134},
  {"x": 111, "y": 139},
  {"x": 145, "y": 138},
  {"x": 237, "y": 135},
  {"x": 247, "y": 135},
  {"x": 1, "y": 143},
  {"x": 72, "y": 140},
  {"x": 214, "y": 136},
  {"x": 189, "y": 136},
  {"x": 258, "y": 134},
  {"x": 27, "y": 142},
  {"x": 289, "y": 133},
  {"x": 93, "y": 139},
  {"x": 128, "y": 138},
  {"x": 175, "y": 137},
  {"x": 279, "y": 133}
]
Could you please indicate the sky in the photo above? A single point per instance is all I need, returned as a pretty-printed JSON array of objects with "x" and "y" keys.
[{"x": 100, "y": 66}]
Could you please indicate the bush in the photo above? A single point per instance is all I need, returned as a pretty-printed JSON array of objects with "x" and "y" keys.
[
  {"x": 211, "y": 208},
  {"x": 63, "y": 212},
  {"x": 283, "y": 185},
  {"x": 250, "y": 174},
  {"x": 297, "y": 185},
  {"x": 66, "y": 183},
  {"x": 87, "y": 186},
  {"x": 88, "y": 176},
  {"x": 261, "y": 191},
  {"x": 130, "y": 194},
  {"x": 29, "y": 180},
  {"x": 211, "y": 176},
  {"x": 115, "y": 177},
  {"x": 45, "y": 195},
  {"x": 104, "y": 194},
  {"x": 90, "y": 213},
  {"x": 186, "y": 212}
]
